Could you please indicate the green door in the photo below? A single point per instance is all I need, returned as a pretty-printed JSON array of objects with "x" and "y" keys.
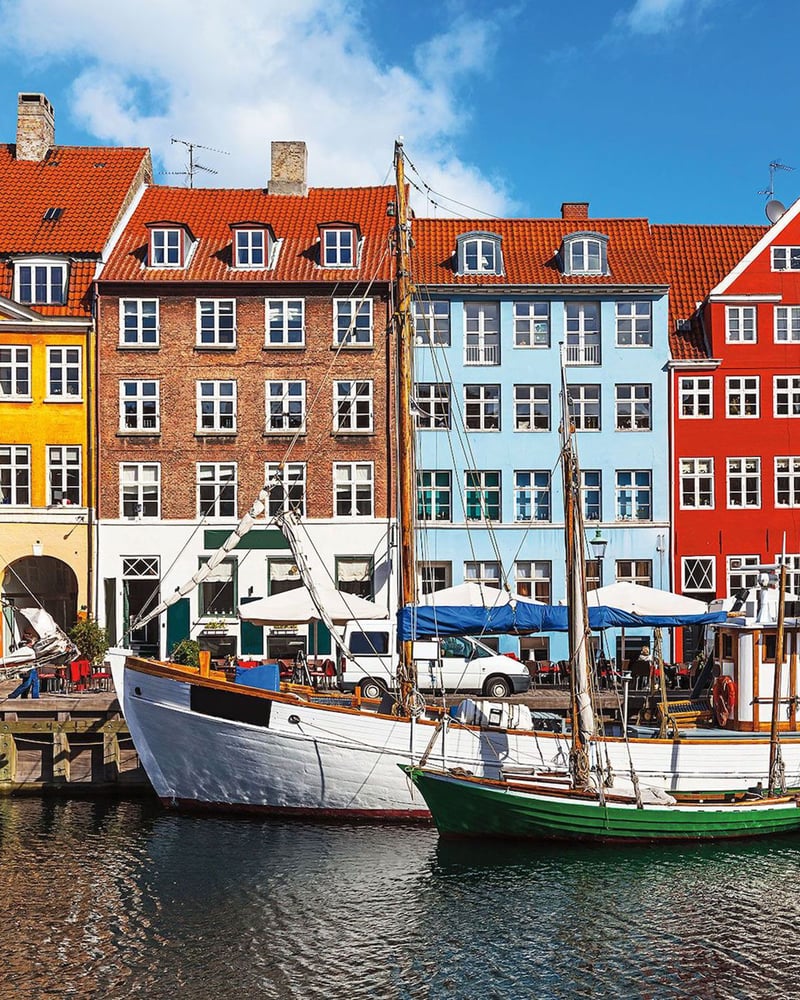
[{"x": 178, "y": 623}]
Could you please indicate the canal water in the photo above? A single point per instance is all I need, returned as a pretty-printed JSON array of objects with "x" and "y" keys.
[{"x": 121, "y": 899}]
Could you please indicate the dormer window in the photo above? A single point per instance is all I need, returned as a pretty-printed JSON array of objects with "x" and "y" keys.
[
  {"x": 252, "y": 246},
  {"x": 585, "y": 253},
  {"x": 170, "y": 245},
  {"x": 339, "y": 245},
  {"x": 41, "y": 282},
  {"x": 479, "y": 253}
]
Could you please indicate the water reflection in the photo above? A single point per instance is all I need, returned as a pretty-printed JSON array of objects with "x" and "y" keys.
[{"x": 119, "y": 899}]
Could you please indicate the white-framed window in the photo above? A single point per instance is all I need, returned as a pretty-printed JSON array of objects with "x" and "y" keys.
[
  {"x": 696, "y": 397},
  {"x": 584, "y": 407},
  {"x": 740, "y": 324},
  {"x": 481, "y": 333},
  {"x": 531, "y": 324},
  {"x": 139, "y": 406},
  {"x": 483, "y": 571},
  {"x": 787, "y": 481},
  {"x": 354, "y": 575},
  {"x": 744, "y": 482},
  {"x": 634, "y": 495},
  {"x": 15, "y": 373},
  {"x": 592, "y": 494},
  {"x": 432, "y": 322},
  {"x": 250, "y": 248},
  {"x": 792, "y": 561},
  {"x": 531, "y": 407},
  {"x": 352, "y": 322},
  {"x": 15, "y": 475},
  {"x": 534, "y": 578},
  {"x": 166, "y": 247},
  {"x": 354, "y": 489},
  {"x": 41, "y": 282},
  {"x": 741, "y": 395},
  {"x": 138, "y": 323},
  {"x": 285, "y": 322},
  {"x": 785, "y": 258},
  {"x": 585, "y": 253},
  {"x": 434, "y": 576},
  {"x": 698, "y": 575},
  {"x": 431, "y": 406},
  {"x": 743, "y": 572},
  {"x": 216, "y": 489},
  {"x": 482, "y": 407},
  {"x": 140, "y": 489},
  {"x": 479, "y": 253},
  {"x": 63, "y": 475},
  {"x": 532, "y": 495},
  {"x": 287, "y": 484},
  {"x": 582, "y": 321},
  {"x": 633, "y": 407},
  {"x": 216, "y": 407},
  {"x": 787, "y": 324},
  {"x": 352, "y": 407},
  {"x": 216, "y": 323},
  {"x": 286, "y": 407},
  {"x": 64, "y": 373},
  {"x": 697, "y": 482},
  {"x": 434, "y": 495},
  {"x": 634, "y": 324},
  {"x": 482, "y": 495},
  {"x": 638, "y": 571},
  {"x": 339, "y": 247},
  {"x": 786, "y": 395}
]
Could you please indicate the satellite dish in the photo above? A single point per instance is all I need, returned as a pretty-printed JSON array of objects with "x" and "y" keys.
[{"x": 775, "y": 209}]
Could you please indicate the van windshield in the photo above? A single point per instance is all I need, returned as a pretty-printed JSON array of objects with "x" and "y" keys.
[{"x": 369, "y": 643}]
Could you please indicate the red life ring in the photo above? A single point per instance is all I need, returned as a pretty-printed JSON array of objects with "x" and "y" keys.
[{"x": 723, "y": 698}]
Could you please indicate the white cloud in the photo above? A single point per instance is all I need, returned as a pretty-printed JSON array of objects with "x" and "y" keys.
[
  {"x": 655, "y": 17},
  {"x": 237, "y": 75}
]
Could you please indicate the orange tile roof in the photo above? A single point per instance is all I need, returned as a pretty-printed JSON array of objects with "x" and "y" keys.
[
  {"x": 209, "y": 212},
  {"x": 529, "y": 248},
  {"x": 696, "y": 258}
]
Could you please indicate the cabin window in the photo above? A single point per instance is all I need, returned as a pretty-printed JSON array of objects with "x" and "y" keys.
[
  {"x": 769, "y": 646},
  {"x": 531, "y": 407},
  {"x": 727, "y": 646},
  {"x": 742, "y": 396},
  {"x": 287, "y": 487}
]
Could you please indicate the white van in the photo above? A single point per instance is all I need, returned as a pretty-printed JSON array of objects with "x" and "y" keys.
[{"x": 453, "y": 663}]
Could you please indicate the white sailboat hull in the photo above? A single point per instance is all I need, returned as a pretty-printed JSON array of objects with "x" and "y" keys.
[{"x": 325, "y": 761}]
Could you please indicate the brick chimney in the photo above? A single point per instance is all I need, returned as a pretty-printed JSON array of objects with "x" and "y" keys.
[
  {"x": 575, "y": 210},
  {"x": 36, "y": 127},
  {"x": 289, "y": 160}
]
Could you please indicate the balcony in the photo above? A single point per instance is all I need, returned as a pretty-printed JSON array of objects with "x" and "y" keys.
[
  {"x": 583, "y": 353},
  {"x": 482, "y": 354}
]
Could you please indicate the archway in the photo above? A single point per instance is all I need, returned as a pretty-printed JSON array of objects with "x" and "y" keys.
[{"x": 46, "y": 582}]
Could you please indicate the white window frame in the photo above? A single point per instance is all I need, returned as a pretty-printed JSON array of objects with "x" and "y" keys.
[
  {"x": 581, "y": 250},
  {"x": 286, "y": 479},
  {"x": 741, "y": 325},
  {"x": 349, "y": 329},
  {"x": 434, "y": 495},
  {"x": 220, "y": 476},
  {"x": 19, "y": 461},
  {"x": 285, "y": 406},
  {"x": 69, "y": 369},
  {"x": 534, "y": 578},
  {"x": 479, "y": 253},
  {"x": 696, "y": 477},
  {"x": 635, "y": 489},
  {"x": 134, "y": 331},
  {"x": 432, "y": 322},
  {"x": 339, "y": 247},
  {"x": 481, "y": 333},
  {"x": 486, "y": 572},
  {"x": 592, "y": 509},
  {"x": 216, "y": 406},
  {"x": 531, "y": 325},
  {"x": 786, "y": 397},
  {"x": 480, "y": 485},
  {"x": 221, "y": 335},
  {"x": 582, "y": 333},
  {"x": 787, "y": 324},
  {"x": 353, "y": 406},
  {"x": 743, "y": 391},
  {"x": 634, "y": 323},
  {"x": 64, "y": 474},
  {"x": 529, "y": 399},
  {"x": 738, "y": 480},
  {"x": 738, "y": 566},
  {"x": 482, "y": 408},
  {"x": 56, "y": 288},
  {"x": 432, "y": 406},
  {"x": 581, "y": 403},
  {"x": 696, "y": 392},
  {"x": 166, "y": 251},
  {"x": 19, "y": 372},
  {"x": 533, "y": 492},
  {"x": 134, "y": 397},
  {"x": 787, "y": 467},
  {"x": 629, "y": 398},
  {"x": 245, "y": 244},
  {"x": 140, "y": 479},
  {"x": 433, "y": 576},
  {"x": 354, "y": 487},
  {"x": 698, "y": 570},
  {"x": 785, "y": 258},
  {"x": 282, "y": 327},
  {"x": 640, "y": 571}
]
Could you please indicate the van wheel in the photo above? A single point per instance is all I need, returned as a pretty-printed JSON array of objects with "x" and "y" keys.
[
  {"x": 371, "y": 689},
  {"x": 497, "y": 687}
]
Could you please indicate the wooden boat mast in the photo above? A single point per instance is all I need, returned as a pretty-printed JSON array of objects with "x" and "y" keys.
[{"x": 776, "y": 768}]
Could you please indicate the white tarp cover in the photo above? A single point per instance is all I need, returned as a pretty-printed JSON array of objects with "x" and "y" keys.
[
  {"x": 642, "y": 600},
  {"x": 297, "y": 607},
  {"x": 472, "y": 595}
]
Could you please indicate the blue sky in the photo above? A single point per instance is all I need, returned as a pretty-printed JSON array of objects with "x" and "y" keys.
[{"x": 670, "y": 109}]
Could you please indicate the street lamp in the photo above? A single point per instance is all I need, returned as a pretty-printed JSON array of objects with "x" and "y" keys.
[{"x": 599, "y": 544}]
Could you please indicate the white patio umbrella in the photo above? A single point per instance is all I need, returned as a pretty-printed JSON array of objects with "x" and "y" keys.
[
  {"x": 297, "y": 607},
  {"x": 642, "y": 600},
  {"x": 469, "y": 594}
]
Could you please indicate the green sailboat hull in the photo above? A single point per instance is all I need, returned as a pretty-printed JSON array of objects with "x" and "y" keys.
[{"x": 475, "y": 807}]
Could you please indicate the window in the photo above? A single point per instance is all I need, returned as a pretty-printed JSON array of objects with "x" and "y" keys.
[
  {"x": 592, "y": 495},
  {"x": 139, "y": 408},
  {"x": 286, "y": 407},
  {"x": 64, "y": 373},
  {"x": 634, "y": 489},
  {"x": 584, "y": 407},
  {"x": 285, "y": 322},
  {"x": 479, "y": 253},
  {"x": 697, "y": 482},
  {"x": 41, "y": 283},
  {"x": 635, "y": 571},
  {"x": 354, "y": 576},
  {"x": 140, "y": 490},
  {"x": 216, "y": 489},
  {"x": 583, "y": 333},
  {"x": 585, "y": 253},
  {"x": 744, "y": 482},
  {"x": 216, "y": 323},
  {"x": 787, "y": 481},
  {"x": 695, "y": 397},
  {"x": 15, "y": 373},
  {"x": 533, "y": 578},
  {"x": 282, "y": 576},
  {"x": 353, "y": 489},
  {"x": 481, "y": 333},
  {"x": 432, "y": 322},
  {"x": 785, "y": 258},
  {"x": 792, "y": 560},
  {"x": 532, "y": 495},
  {"x": 431, "y": 406},
  {"x": 484, "y": 572},
  {"x": 531, "y": 324},
  {"x": 531, "y": 407},
  {"x": 634, "y": 324},
  {"x": 434, "y": 576},
  {"x": 138, "y": 322},
  {"x": 249, "y": 248},
  {"x": 166, "y": 247},
  {"x": 742, "y": 396},
  {"x": 352, "y": 407},
  {"x": 216, "y": 407},
  {"x": 740, "y": 324},
  {"x": 698, "y": 575},
  {"x": 743, "y": 573},
  {"x": 434, "y": 496},
  {"x": 633, "y": 407},
  {"x": 287, "y": 488},
  {"x": 217, "y": 593},
  {"x": 482, "y": 407},
  {"x": 15, "y": 474},
  {"x": 338, "y": 247},
  {"x": 787, "y": 324},
  {"x": 63, "y": 475},
  {"x": 352, "y": 322},
  {"x": 786, "y": 395},
  {"x": 482, "y": 499}
]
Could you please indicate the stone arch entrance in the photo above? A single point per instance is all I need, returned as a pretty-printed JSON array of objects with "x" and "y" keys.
[{"x": 43, "y": 581}]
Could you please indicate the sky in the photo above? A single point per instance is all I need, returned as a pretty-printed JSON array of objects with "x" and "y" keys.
[{"x": 668, "y": 109}]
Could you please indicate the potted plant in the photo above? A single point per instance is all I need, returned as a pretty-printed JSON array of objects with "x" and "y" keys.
[
  {"x": 91, "y": 639},
  {"x": 186, "y": 652}
]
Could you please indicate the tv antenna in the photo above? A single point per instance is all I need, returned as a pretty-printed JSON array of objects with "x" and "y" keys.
[
  {"x": 193, "y": 165},
  {"x": 774, "y": 165}
]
